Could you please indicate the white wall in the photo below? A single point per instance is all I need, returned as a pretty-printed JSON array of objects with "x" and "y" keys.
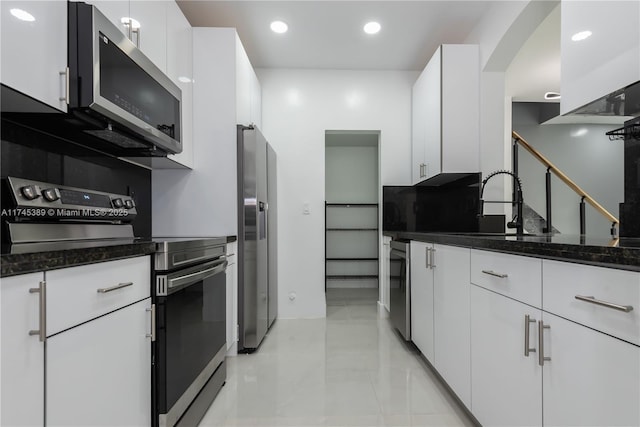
[
  {"x": 203, "y": 202},
  {"x": 298, "y": 106}
]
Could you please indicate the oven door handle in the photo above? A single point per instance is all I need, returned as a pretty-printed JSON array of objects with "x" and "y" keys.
[{"x": 188, "y": 279}]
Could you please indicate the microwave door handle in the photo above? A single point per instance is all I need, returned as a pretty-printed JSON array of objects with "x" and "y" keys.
[{"x": 189, "y": 279}]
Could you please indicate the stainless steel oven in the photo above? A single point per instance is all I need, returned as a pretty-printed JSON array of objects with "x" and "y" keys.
[
  {"x": 190, "y": 346},
  {"x": 400, "y": 288}
]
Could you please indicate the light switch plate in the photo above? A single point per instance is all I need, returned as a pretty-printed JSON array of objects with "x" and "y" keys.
[{"x": 306, "y": 210}]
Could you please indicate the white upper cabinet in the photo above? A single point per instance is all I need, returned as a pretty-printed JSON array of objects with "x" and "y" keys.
[
  {"x": 606, "y": 60},
  {"x": 151, "y": 35},
  {"x": 144, "y": 22},
  {"x": 446, "y": 113},
  {"x": 180, "y": 71},
  {"x": 248, "y": 92},
  {"x": 34, "y": 49}
]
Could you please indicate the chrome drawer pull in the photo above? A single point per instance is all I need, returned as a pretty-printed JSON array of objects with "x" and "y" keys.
[
  {"x": 493, "y": 273},
  {"x": 152, "y": 310},
  {"x": 42, "y": 290},
  {"x": 541, "y": 357},
  {"x": 527, "y": 320},
  {"x": 592, "y": 300},
  {"x": 114, "y": 288}
]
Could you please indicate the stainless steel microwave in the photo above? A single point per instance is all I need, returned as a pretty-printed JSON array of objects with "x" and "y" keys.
[{"x": 123, "y": 97}]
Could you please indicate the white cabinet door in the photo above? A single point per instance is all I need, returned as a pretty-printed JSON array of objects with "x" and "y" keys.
[
  {"x": 151, "y": 36},
  {"x": 418, "y": 129},
  {"x": 433, "y": 115},
  {"x": 180, "y": 71},
  {"x": 248, "y": 92},
  {"x": 422, "y": 320},
  {"x": 606, "y": 61},
  {"x": 452, "y": 335},
  {"x": 592, "y": 379},
  {"x": 22, "y": 370},
  {"x": 99, "y": 373},
  {"x": 34, "y": 49},
  {"x": 506, "y": 385},
  {"x": 460, "y": 103}
]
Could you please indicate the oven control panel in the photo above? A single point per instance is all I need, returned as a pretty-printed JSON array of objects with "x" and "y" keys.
[{"x": 40, "y": 200}]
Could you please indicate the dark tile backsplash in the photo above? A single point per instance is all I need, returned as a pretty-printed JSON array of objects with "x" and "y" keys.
[
  {"x": 630, "y": 209},
  {"x": 32, "y": 154},
  {"x": 450, "y": 207}
]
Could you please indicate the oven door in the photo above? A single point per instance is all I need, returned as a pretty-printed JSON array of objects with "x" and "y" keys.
[{"x": 191, "y": 335}]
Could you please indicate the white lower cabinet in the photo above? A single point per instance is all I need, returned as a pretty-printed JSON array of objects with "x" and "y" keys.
[
  {"x": 452, "y": 334},
  {"x": 92, "y": 362},
  {"x": 100, "y": 372},
  {"x": 506, "y": 384},
  {"x": 440, "y": 311},
  {"x": 422, "y": 299},
  {"x": 592, "y": 378},
  {"x": 22, "y": 368}
]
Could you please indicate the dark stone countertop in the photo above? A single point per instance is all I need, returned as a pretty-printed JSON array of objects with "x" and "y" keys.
[
  {"x": 622, "y": 254},
  {"x": 22, "y": 259},
  {"x": 32, "y": 258}
]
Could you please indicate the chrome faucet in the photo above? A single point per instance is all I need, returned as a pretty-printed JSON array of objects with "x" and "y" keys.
[{"x": 517, "y": 221}]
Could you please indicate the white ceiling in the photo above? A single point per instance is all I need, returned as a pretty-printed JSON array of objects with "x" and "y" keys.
[{"x": 328, "y": 34}]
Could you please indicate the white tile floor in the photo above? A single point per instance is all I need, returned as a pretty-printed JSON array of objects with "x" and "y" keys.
[{"x": 350, "y": 369}]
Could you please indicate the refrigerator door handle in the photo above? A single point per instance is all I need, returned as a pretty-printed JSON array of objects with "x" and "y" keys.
[{"x": 262, "y": 221}]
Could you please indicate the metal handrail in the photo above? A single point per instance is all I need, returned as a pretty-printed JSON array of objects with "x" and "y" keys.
[{"x": 564, "y": 178}]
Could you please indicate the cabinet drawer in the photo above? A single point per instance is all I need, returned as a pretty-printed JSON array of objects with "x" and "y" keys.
[
  {"x": 78, "y": 294},
  {"x": 517, "y": 277},
  {"x": 564, "y": 281}
]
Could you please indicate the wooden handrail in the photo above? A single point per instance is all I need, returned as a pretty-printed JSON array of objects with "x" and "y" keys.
[{"x": 564, "y": 178}]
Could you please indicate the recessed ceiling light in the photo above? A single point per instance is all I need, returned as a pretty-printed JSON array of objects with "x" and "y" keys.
[
  {"x": 184, "y": 79},
  {"x": 135, "y": 24},
  {"x": 581, "y": 35},
  {"x": 279, "y": 27},
  {"x": 372, "y": 27},
  {"x": 22, "y": 15},
  {"x": 552, "y": 95}
]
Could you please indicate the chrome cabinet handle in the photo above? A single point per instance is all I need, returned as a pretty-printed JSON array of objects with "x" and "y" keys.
[
  {"x": 592, "y": 300},
  {"x": 493, "y": 273},
  {"x": 66, "y": 96},
  {"x": 114, "y": 288},
  {"x": 152, "y": 335},
  {"x": 527, "y": 320},
  {"x": 541, "y": 328},
  {"x": 433, "y": 258},
  {"x": 428, "y": 257},
  {"x": 42, "y": 290},
  {"x": 137, "y": 32}
]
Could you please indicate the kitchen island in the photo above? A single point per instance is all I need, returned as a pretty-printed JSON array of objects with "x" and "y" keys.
[{"x": 530, "y": 330}]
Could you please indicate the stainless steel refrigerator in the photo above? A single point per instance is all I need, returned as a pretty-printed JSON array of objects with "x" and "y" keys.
[{"x": 257, "y": 259}]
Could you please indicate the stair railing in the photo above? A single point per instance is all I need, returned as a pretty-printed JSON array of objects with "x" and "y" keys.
[{"x": 584, "y": 197}]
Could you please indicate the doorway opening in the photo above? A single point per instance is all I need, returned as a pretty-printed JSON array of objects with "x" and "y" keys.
[{"x": 352, "y": 187}]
